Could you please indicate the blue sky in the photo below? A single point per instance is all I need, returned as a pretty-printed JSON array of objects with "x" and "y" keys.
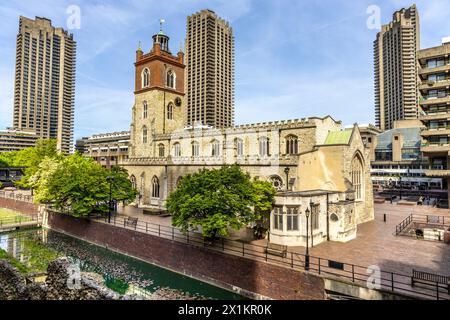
[{"x": 294, "y": 58}]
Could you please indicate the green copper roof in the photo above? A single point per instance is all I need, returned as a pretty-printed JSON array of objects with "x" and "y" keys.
[{"x": 339, "y": 137}]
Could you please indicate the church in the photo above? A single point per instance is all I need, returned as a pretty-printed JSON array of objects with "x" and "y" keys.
[{"x": 320, "y": 169}]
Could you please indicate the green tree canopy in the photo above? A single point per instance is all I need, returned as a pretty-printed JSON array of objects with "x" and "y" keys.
[
  {"x": 220, "y": 199},
  {"x": 79, "y": 185}
]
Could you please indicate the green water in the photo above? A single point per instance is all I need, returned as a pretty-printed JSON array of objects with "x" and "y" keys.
[{"x": 121, "y": 273}]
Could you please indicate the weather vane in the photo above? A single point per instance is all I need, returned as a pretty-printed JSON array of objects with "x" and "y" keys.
[{"x": 161, "y": 22}]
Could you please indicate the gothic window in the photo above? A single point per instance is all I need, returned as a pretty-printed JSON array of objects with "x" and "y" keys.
[
  {"x": 170, "y": 111},
  {"x": 277, "y": 182},
  {"x": 145, "y": 110},
  {"x": 291, "y": 145},
  {"x": 145, "y": 78},
  {"x": 155, "y": 187},
  {"x": 357, "y": 177},
  {"x": 264, "y": 146},
  {"x": 195, "y": 149},
  {"x": 292, "y": 216},
  {"x": 239, "y": 145},
  {"x": 315, "y": 213},
  {"x": 144, "y": 134},
  {"x": 215, "y": 148},
  {"x": 161, "y": 150},
  {"x": 177, "y": 150},
  {"x": 171, "y": 78},
  {"x": 278, "y": 218}
]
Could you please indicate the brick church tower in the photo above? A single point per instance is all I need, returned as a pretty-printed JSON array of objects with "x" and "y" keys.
[{"x": 160, "y": 106}]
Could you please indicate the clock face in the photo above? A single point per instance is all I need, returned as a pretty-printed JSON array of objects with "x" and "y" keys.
[{"x": 178, "y": 102}]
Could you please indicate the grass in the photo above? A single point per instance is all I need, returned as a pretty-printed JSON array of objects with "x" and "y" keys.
[
  {"x": 14, "y": 262},
  {"x": 10, "y": 216}
]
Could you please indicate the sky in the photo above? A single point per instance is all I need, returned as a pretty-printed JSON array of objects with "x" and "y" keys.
[{"x": 294, "y": 58}]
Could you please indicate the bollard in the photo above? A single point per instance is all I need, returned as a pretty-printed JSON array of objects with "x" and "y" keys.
[{"x": 384, "y": 217}]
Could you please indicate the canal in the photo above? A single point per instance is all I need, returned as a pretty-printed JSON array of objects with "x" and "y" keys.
[{"x": 125, "y": 275}]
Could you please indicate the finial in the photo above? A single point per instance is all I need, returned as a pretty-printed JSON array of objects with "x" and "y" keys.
[
  {"x": 181, "y": 46},
  {"x": 161, "y": 21},
  {"x": 139, "y": 46}
]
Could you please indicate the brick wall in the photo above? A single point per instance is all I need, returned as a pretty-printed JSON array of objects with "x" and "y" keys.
[
  {"x": 215, "y": 267},
  {"x": 20, "y": 206}
]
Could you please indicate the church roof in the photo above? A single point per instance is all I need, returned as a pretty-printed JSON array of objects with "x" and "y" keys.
[{"x": 339, "y": 137}]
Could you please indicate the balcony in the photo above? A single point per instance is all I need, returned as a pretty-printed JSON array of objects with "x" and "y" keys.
[
  {"x": 437, "y": 173},
  {"x": 436, "y": 116},
  {"x": 428, "y": 85},
  {"x": 440, "y": 100},
  {"x": 436, "y": 132},
  {"x": 427, "y": 71},
  {"x": 435, "y": 148}
]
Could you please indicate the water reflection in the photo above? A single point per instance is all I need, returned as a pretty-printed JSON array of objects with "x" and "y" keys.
[{"x": 121, "y": 273}]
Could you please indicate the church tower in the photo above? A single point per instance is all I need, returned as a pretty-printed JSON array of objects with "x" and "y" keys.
[{"x": 160, "y": 107}]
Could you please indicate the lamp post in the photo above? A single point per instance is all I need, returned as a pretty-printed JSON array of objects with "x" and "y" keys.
[
  {"x": 286, "y": 171},
  {"x": 307, "y": 212},
  {"x": 400, "y": 180},
  {"x": 110, "y": 179}
]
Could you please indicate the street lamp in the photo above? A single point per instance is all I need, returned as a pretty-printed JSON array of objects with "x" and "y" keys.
[
  {"x": 286, "y": 171},
  {"x": 400, "y": 179},
  {"x": 110, "y": 179},
  {"x": 307, "y": 212}
]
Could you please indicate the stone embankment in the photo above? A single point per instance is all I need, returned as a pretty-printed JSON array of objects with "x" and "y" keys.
[{"x": 15, "y": 286}]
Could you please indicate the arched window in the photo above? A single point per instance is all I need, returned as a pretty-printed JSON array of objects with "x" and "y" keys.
[
  {"x": 133, "y": 182},
  {"x": 195, "y": 149},
  {"x": 162, "y": 150},
  {"x": 155, "y": 187},
  {"x": 142, "y": 184},
  {"x": 358, "y": 177},
  {"x": 264, "y": 146},
  {"x": 170, "y": 111},
  {"x": 177, "y": 150},
  {"x": 277, "y": 182},
  {"x": 144, "y": 134},
  {"x": 239, "y": 145},
  {"x": 215, "y": 148},
  {"x": 145, "y": 110},
  {"x": 145, "y": 78},
  {"x": 291, "y": 145},
  {"x": 171, "y": 79}
]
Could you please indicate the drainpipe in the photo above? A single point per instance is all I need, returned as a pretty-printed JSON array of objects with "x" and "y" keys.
[{"x": 328, "y": 220}]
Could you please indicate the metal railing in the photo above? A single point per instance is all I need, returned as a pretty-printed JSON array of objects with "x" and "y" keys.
[
  {"x": 16, "y": 196},
  {"x": 431, "y": 220},
  {"x": 394, "y": 282},
  {"x": 19, "y": 221}
]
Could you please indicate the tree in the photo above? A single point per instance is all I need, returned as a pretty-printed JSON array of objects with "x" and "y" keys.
[
  {"x": 217, "y": 200},
  {"x": 79, "y": 186}
]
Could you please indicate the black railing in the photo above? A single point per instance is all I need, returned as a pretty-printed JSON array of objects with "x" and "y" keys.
[
  {"x": 16, "y": 196},
  {"x": 19, "y": 221},
  {"x": 429, "y": 220},
  {"x": 388, "y": 281}
]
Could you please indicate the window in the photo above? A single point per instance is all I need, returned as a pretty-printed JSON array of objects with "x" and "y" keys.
[
  {"x": 144, "y": 134},
  {"x": 292, "y": 219},
  {"x": 278, "y": 218},
  {"x": 177, "y": 150},
  {"x": 145, "y": 110},
  {"x": 277, "y": 182},
  {"x": 145, "y": 78},
  {"x": 155, "y": 187},
  {"x": 215, "y": 148},
  {"x": 239, "y": 145},
  {"x": 357, "y": 177},
  {"x": 264, "y": 146},
  {"x": 171, "y": 78},
  {"x": 195, "y": 149},
  {"x": 161, "y": 149},
  {"x": 170, "y": 111},
  {"x": 315, "y": 213},
  {"x": 292, "y": 145}
]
